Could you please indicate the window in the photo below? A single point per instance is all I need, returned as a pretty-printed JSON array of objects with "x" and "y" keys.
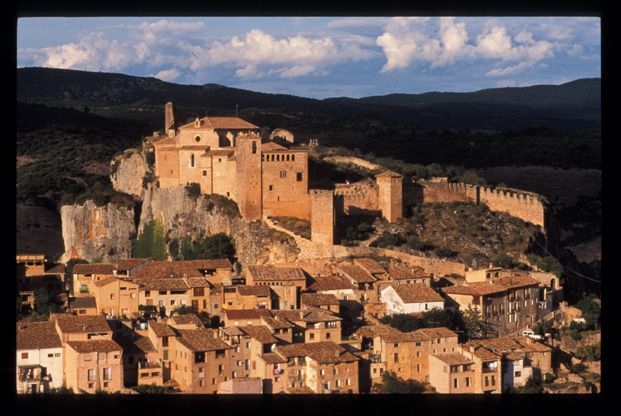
[
  {"x": 518, "y": 374},
  {"x": 197, "y": 138},
  {"x": 467, "y": 381},
  {"x": 215, "y": 306},
  {"x": 493, "y": 380},
  {"x": 87, "y": 357},
  {"x": 164, "y": 341},
  {"x": 57, "y": 354},
  {"x": 312, "y": 336},
  {"x": 454, "y": 383},
  {"x": 172, "y": 301},
  {"x": 234, "y": 374},
  {"x": 107, "y": 373},
  {"x": 111, "y": 295},
  {"x": 417, "y": 354},
  {"x": 213, "y": 381},
  {"x": 328, "y": 335},
  {"x": 84, "y": 288},
  {"x": 418, "y": 368},
  {"x": 396, "y": 357},
  {"x": 271, "y": 187},
  {"x": 24, "y": 355},
  {"x": 90, "y": 385},
  {"x": 147, "y": 293},
  {"x": 165, "y": 358},
  {"x": 486, "y": 381},
  {"x": 91, "y": 374},
  {"x": 322, "y": 372},
  {"x": 160, "y": 302},
  {"x": 219, "y": 159},
  {"x": 192, "y": 160},
  {"x": 204, "y": 173},
  {"x": 254, "y": 147},
  {"x": 283, "y": 173}
]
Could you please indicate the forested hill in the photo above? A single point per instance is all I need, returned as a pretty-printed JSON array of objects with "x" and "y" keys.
[{"x": 574, "y": 105}]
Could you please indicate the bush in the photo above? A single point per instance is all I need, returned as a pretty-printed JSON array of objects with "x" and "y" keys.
[
  {"x": 589, "y": 352},
  {"x": 444, "y": 252},
  {"x": 591, "y": 310},
  {"x": 152, "y": 389},
  {"x": 193, "y": 190},
  {"x": 387, "y": 240},
  {"x": 547, "y": 264},
  {"x": 149, "y": 177},
  {"x": 393, "y": 384},
  {"x": 183, "y": 310},
  {"x": 151, "y": 243},
  {"x": 504, "y": 261},
  {"x": 217, "y": 246},
  {"x": 578, "y": 368}
]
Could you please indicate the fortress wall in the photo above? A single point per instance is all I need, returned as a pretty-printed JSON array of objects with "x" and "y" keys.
[
  {"x": 433, "y": 192},
  {"x": 322, "y": 216},
  {"x": 357, "y": 198},
  {"x": 528, "y": 207},
  {"x": 285, "y": 185}
]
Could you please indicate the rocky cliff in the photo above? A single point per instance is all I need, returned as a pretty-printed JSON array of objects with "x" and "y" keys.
[
  {"x": 97, "y": 232},
  {"x": 91, "y": 232},
  {"x": 127, "y": 171}
]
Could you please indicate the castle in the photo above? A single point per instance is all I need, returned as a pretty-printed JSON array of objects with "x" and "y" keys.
[{"x": 267, "y": 178}]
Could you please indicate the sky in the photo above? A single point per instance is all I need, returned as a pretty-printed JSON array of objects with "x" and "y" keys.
[{"x": 322, "y": 57}]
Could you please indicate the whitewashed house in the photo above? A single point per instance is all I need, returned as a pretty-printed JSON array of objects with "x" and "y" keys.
[
  {"x": 410, "y": 298},
  {"x": 39, "y": 359}
]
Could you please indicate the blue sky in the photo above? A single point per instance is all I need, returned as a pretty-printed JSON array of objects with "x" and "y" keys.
[{"x": 322, "y": 57}]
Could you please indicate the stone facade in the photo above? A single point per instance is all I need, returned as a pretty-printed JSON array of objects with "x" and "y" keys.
[
  {"x": 390, "y": 195},
  {"x": 322, "y": 216}
]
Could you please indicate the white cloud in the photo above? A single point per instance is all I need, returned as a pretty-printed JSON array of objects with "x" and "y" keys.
[{"x": 168, "y": 75}]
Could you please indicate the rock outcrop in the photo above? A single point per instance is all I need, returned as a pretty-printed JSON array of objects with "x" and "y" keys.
[
  {"x": 97, "y": 232},
  {"x": 127, "y": 171}
]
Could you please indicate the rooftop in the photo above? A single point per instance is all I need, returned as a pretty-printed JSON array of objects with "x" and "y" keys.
[
  {"x": 261, "y": 291},
  {"x": 327, "y": 283},
  {"x": 370, "y": 265},
  {"x": 37, "y": 335},
  {"x": 416, "y": 293},
  {"x": 318, "y": 299},
  {"x": 98, "y": 345},
  {"x": 232, "y": 314},
  {"x": 96, "y": 268},
  {"x": 220, "y": 123},
  {"x": 260, "y": 333},
  {"x": 357, "y": 273},
  {"x": 271, "y": 272},
  {"x": 201, "y": 340},
  {"x": 453, "y": 358},
  {"x": 83, "y": 302},
  {"x": 161, "y": 329},
  {"x": 185, "y": 319},
  {"x": 326, "y": 352},
  {"x": 82, "y": 324}
]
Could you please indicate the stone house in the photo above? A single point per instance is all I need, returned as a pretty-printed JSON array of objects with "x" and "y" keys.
[
  {"x": 451, "y": 373},
  {"x": 410, "y": 298},
  {"x": 39, "y": 358}
]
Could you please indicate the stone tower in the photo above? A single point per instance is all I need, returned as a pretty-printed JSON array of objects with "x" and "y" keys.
[
  {"x": 322, "y": 216},
  {"x": 390, "y": 186},
  {"x": 248, "y": 158},
  {"x": 169, "y": 119}
]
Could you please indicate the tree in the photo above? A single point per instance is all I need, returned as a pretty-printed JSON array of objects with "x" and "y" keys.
[
  {"x": 591, "y": 310},
  {"x": 45, "y": 302},
  {"x": 393, "y": 384},
  {"x": 69, "y": 272},
  {"x": 473, "y": 322},
  {"x": 387, "y": 239},
  {"x": 153, "y": 389},
  {"x": 504, "y": 261},
  {"x": 401, "y": 321},
  {"x": 532, "y": 386},
  {"x": 218, "y": 246},
  {"x": 151, "y": 242},
  {"x": 183, "y": 310}
]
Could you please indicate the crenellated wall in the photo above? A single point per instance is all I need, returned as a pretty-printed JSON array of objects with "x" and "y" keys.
[
  {"x": 527, "y": 206},
  {"x": 357, "y": 198}
]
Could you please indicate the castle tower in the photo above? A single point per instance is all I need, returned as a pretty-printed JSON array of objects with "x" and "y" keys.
[
  {"x": 169, "y": 119},
  {"x": 322, "y": 216},
  {"x": 248, "y": 161},
  {"x": 390, "y": 186}
]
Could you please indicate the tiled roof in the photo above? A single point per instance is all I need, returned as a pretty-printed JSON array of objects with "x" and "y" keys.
[
  {"x": 233, "y": 123},
  {"x": 357, "y": 273},
  {"x": 276, "y": 323},
  {"x": 271, "y": 273},
  {"x": 453, "y": 358},
  {"x": 389, "y": 334},
  {"x": 95, "y": 345},
  {"x": 436, "y": 332},
  {"x": 82, "y": 324},
  {"x": 474, "y": 289},
  {"x": 201, "y": 340},
  {"x": 485, "y": 354},
  {"x": 166, "y": 141},
  {"x": 416, "y": 293},
  {"x": 233, "y": 331},
  {"x": 267, "y": 146},
  {"x": 83, "y": 302},
  {"x": 163, "y": 284},
  {"x": 187, "y": 268},
  {"x": 185, "y": 319},
  {"x": 319, "y": 315},
  {"x": 403, "y": 273},
  {"x": 508, "y": 344},
  {"x": 198, "y": 282},
  {"x": 318, "y": 299},
  {"x": 232, "y": 314},
  {"x": 106, "y": 281},
  {"x": 219, "y": 152},
  {"x": 96, "y": 268},
  {"x": 322, "y": 352},
  {"x": 127, "y": 264},
  {"x": 273, "y": 358},
  {"x": 37, "y": 335},
  {"x": 370, "y": 265},
  {"x": 260, "y": 333},
  {"x": 513, "y": 282},
  {"x": 194, "y": 147},
  {"x": 294, "y": 315},
  {"x": 261, "y": 291},
  {"x": 161, "y": 329},
  {"x": 326, "y": 283},
  {"x": 137, "y": 345}
]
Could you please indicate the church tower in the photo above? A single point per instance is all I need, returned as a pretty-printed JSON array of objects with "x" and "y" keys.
[{"x": 169, "y": 120}]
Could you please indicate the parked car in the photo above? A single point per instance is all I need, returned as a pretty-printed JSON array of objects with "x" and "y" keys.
[{"x": 530, "y": 334}]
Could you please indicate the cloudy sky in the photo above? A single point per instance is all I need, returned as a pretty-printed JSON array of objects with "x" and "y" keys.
[{"x": 322, "y": 57}]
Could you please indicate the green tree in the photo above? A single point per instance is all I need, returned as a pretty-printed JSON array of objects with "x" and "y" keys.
[
  {"x": 69, "y": 272},
  {"x": 591, "y": 310},
  {"x": 504, "y": 261},
  {"x": 547, "y": 264},
  {"x": 187, "y": 249},
  {"x": 393, "y": 384},
  {"x": 218, "y": 246},
  {"x": 387, "y": 239},
  {"x": 401, "y": 321},
  {"x": 151, "y": 242},
  {"x": 183, "y": 310},
  {"x": 473, "y": 322},
  {"x": 532, "y": 386}
]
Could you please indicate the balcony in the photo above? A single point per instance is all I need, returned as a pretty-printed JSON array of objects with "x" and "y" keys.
[
  {"x": 375, "y": 358},
  {"x": 33, "y": 374}
]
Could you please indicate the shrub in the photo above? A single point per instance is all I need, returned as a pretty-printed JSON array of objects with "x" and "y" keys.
[
  {"x": 589, "y": 352},
  {"x": 217, "y": 246},
  {"x": 444, "y": 252},
  {"x": 387, "y": 240},
  {"x": 591, "y": 310},
  {"x": 149, "y": 177},
  {"x": 578, "y": 368},
  {"x": 193, "y": 190},
  {"x": 547, "y": 264},
  {"x": 393, "y": 384},
  {"x": 504, "y": 261},
  {"x": 183, "y": 310}
]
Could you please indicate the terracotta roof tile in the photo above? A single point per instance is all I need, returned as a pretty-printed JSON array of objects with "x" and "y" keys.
[
  {"x": 437, "y": 332},
  {"x": 327, "y": 283},
  {"x": 232, "y": 123},
  {"x": 318, "y": 299},
  {"x": 54, "y": 268},
  {"x": 99, "y": 345},
  {"x": 485, "y": 354},
  {"x": 453, "y": 358},
  {"x": 96, "y": 268},
  {"x": 163, "y": 284},
  {"x": 233, "y": 314},
  {"x": 357, "y": 273},
  {"x": 266, "y": 273},
  {"x": 403, "y": 273},
  {"x": 267, "y": 146},
  {"x": 275, "y": 323},
  {"x": 474, "y": 289},
  {"x": 201, "y": 340},
  {"x": 127, "y": 264},
  {"x": 416, "y": 293},
  {"x": 370, "y": 265},
  {"x": 82, "y": 324},
  {"x": 198, "y": 282},
  {"x": 260, "y": 333},
  {"x": 190, "y": 318},
  {"x": 106, "y": 281},
  {"x": 161, "y": 329},
  {"x": 83, "y": 302},
  {"x": 273, "y": 358},
  {"x": 37, "y": 335},
  {"x": 322, "y": 352},
  {"x": 261, "y": 291}
]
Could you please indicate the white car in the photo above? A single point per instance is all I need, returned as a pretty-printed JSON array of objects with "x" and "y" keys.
[{"x": 530, "y": 334}]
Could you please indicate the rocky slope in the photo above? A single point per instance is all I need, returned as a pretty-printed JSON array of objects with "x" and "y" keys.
[{"x": 127, "y": 171}]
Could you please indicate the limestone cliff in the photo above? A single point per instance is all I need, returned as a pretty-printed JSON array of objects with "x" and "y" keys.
[
  {"x": 127, "y": 171},
  {"x": 97, "y": 232},
  {"x": 183, "y": 215}
]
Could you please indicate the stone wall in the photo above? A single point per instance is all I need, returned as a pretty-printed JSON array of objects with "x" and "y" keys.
[
  {"x": 322, "y": 216},
  {"x": 284, "y": 178},
  {"x": 357, "y": 198},
  {"x": 352, "y": 160}
]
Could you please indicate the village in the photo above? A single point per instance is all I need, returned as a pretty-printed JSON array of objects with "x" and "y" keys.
[{"x": 336, "y": 320}]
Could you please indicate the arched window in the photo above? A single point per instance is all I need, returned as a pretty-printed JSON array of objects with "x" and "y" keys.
[
  {"x": 192, "y": 160},
  {"x": 292, "y": 158},
  {"x": 287, "y": 158},
  {"x": 197, "y": 138}
]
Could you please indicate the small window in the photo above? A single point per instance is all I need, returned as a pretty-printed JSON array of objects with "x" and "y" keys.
[
  {"x": 87, "y": 357},
  {"x": 197, "y": 138},
  {"x": 57, "y": 354},
  {"x": 298, "y": 176},
  {"x": 24, "y": 355},
  {"x": 292, "y": 157},
  {"x": 271, "y": 187},
  {"x": 455, "y": 383},
  {"x": 204, "y": 173},
  {"x": 192, "y": 161},
  {"x": 254, "y": 147}
]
